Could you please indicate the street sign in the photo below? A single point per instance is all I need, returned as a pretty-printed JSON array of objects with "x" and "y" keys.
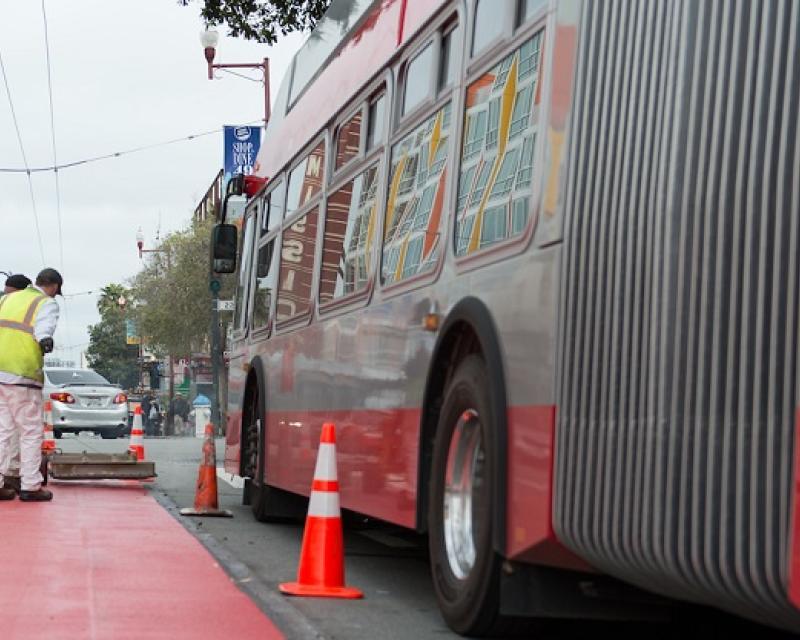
[{"x": 225, "y": 305}]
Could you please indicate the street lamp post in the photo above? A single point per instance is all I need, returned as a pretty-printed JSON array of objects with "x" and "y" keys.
[
  {"x": 209, "y": 39},
  {"x": 140, "y": 245},
  {"x": 122, "y": 303}
]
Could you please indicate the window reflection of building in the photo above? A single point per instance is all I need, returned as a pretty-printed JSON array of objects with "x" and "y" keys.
[
  {"x": 305, "y": 180},
  {"x": 413, "y": 212},
  {"x": 349, "y": 232},
  {"x": 297, "y": 267},
  {"x": 349, "y": 140},
  {"x": 501, "y": 123}
]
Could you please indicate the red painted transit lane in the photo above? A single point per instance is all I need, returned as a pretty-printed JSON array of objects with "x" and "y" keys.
[{"x": 104, "y": 561}]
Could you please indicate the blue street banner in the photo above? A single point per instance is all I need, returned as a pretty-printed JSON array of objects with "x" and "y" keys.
[
  {"x": 131, "y": 334},
  {"x": 241, "y": 149}
]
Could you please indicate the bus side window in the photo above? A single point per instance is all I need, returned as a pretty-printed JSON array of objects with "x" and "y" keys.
[
  {"x": 449, "y": 58},
  {"x": 305, "y": 180},
  {"x": 348, "y": 140},
  {"x": 418, "y": 79},
  {"x": 266, "y": 274},
  {"x": 414, "y": 208},
  {"x": 350, "y": 223},
  {"x": 495, "y": 192},
  {"x": 376, "y": 121},
  {"x": 527, "y": 9},
  {"x": 490, "y": 24},
  {"x": 273, "y": 209},
  {"x": 245, "y": 264},
  {"x": 297, "y": 266}
]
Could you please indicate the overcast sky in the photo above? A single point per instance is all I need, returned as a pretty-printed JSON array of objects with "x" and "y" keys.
[{"x": 124, "y": 75}]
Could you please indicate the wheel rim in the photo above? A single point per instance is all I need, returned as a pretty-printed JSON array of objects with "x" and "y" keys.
[{"x": 464, "y": 478}]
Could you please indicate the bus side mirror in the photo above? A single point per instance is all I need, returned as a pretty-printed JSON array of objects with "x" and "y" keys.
[{"x": 223, "y": 248}]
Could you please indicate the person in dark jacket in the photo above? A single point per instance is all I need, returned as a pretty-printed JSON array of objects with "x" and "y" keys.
[
  {"x": 178, "y": 414},
  {"x": 148, "y": 429}
]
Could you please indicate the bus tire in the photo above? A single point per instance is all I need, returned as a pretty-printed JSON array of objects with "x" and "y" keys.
[
  {"x": 255, "y": 491},
  {"x": 464, "y": 566},
  {"x": 267, "y": 503},
  {"x": 258, "y": 490}
]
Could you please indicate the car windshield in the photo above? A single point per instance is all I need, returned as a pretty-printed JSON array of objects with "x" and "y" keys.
[{"x": 75, "y": 376}]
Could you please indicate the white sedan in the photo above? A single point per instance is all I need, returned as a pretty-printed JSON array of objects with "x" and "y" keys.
[{"x": 83, "y": 400}]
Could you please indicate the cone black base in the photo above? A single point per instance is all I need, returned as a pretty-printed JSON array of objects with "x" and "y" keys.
[{"x": 211, "y": 513}]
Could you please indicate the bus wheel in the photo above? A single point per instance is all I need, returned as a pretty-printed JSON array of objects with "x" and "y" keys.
[
  {"x": 464, "y": 566},
  {"x": 255, "y": 491},
  {"x": 268, "y": 504}
]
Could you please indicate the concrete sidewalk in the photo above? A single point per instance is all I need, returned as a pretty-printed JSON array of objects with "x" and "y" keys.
[{"x": 104, "y": 561}]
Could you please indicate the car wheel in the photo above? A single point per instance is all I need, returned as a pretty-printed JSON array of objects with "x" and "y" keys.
[
  {"x": 57, "y": 434},
  {"x": 464, "y": 565},
  {"x": 108, "y": 434}
]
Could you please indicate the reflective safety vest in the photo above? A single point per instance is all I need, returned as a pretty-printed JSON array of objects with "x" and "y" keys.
[{"x": 20, "y": 353}]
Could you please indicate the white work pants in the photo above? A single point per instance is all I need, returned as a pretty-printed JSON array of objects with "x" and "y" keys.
[{"x": 21, "y": 416}]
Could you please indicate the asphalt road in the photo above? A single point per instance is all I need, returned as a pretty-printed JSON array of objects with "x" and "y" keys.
[{"x": 388, "y": 564}]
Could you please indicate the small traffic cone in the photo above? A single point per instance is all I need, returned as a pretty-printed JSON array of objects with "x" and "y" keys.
[
  {"x": 321, "y": 568},
  {"x": 136, "y": 446},
  {"x": 48, "y": 441},
  {"x": 205, "y": 497}
]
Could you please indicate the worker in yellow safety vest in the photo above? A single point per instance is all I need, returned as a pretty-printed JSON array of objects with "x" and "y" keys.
[
  {"x": 28, "y": 320},
  {"x": 14, "y": 282}
]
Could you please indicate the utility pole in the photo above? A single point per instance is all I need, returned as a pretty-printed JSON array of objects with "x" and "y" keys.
[{"x": 216, "y": 364}]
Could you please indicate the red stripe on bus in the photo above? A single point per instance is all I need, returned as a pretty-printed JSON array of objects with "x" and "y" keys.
[
  {"x": 401, "y": 22},
  {"x": 377, "y": 454},
  {"x": 325, "y": 485},
  {"x": 530, "y": 536}
]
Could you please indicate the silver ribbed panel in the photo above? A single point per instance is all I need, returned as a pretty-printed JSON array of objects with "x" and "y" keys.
[{"x": 679, "y": 315}]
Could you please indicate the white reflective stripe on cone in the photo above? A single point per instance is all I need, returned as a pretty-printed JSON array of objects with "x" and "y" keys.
[
  {"x": 326, "y": 462},
  {"x": 324, "y": 504}
]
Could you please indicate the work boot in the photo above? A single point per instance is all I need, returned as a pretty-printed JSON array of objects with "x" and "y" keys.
[
  {"x": 7, "y": 494},
  {"x": 40, "y": 495},
  {"x": 11, "y": 482}
]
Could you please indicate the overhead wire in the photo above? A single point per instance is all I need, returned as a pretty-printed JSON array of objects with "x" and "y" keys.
[
  {"x": 116, "y": 154},
  {"x": 24, "y": 158},
  {"x": 53, "y": 136},
  {"x": 66, "y": 325}
]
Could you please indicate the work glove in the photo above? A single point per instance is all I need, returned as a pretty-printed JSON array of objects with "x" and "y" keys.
[{"x": 46, "y": 344}]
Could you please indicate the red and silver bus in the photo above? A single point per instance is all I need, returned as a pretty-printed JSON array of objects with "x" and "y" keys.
[{"x": 538, "y": 262}]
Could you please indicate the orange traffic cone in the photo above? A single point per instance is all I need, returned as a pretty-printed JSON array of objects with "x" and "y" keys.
[
  {"x": 136, "y": 446},
  {"x": 205, "y": 497},
  {"x": 321, "y": 569},
  {"x": 48, "y": 441}
]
